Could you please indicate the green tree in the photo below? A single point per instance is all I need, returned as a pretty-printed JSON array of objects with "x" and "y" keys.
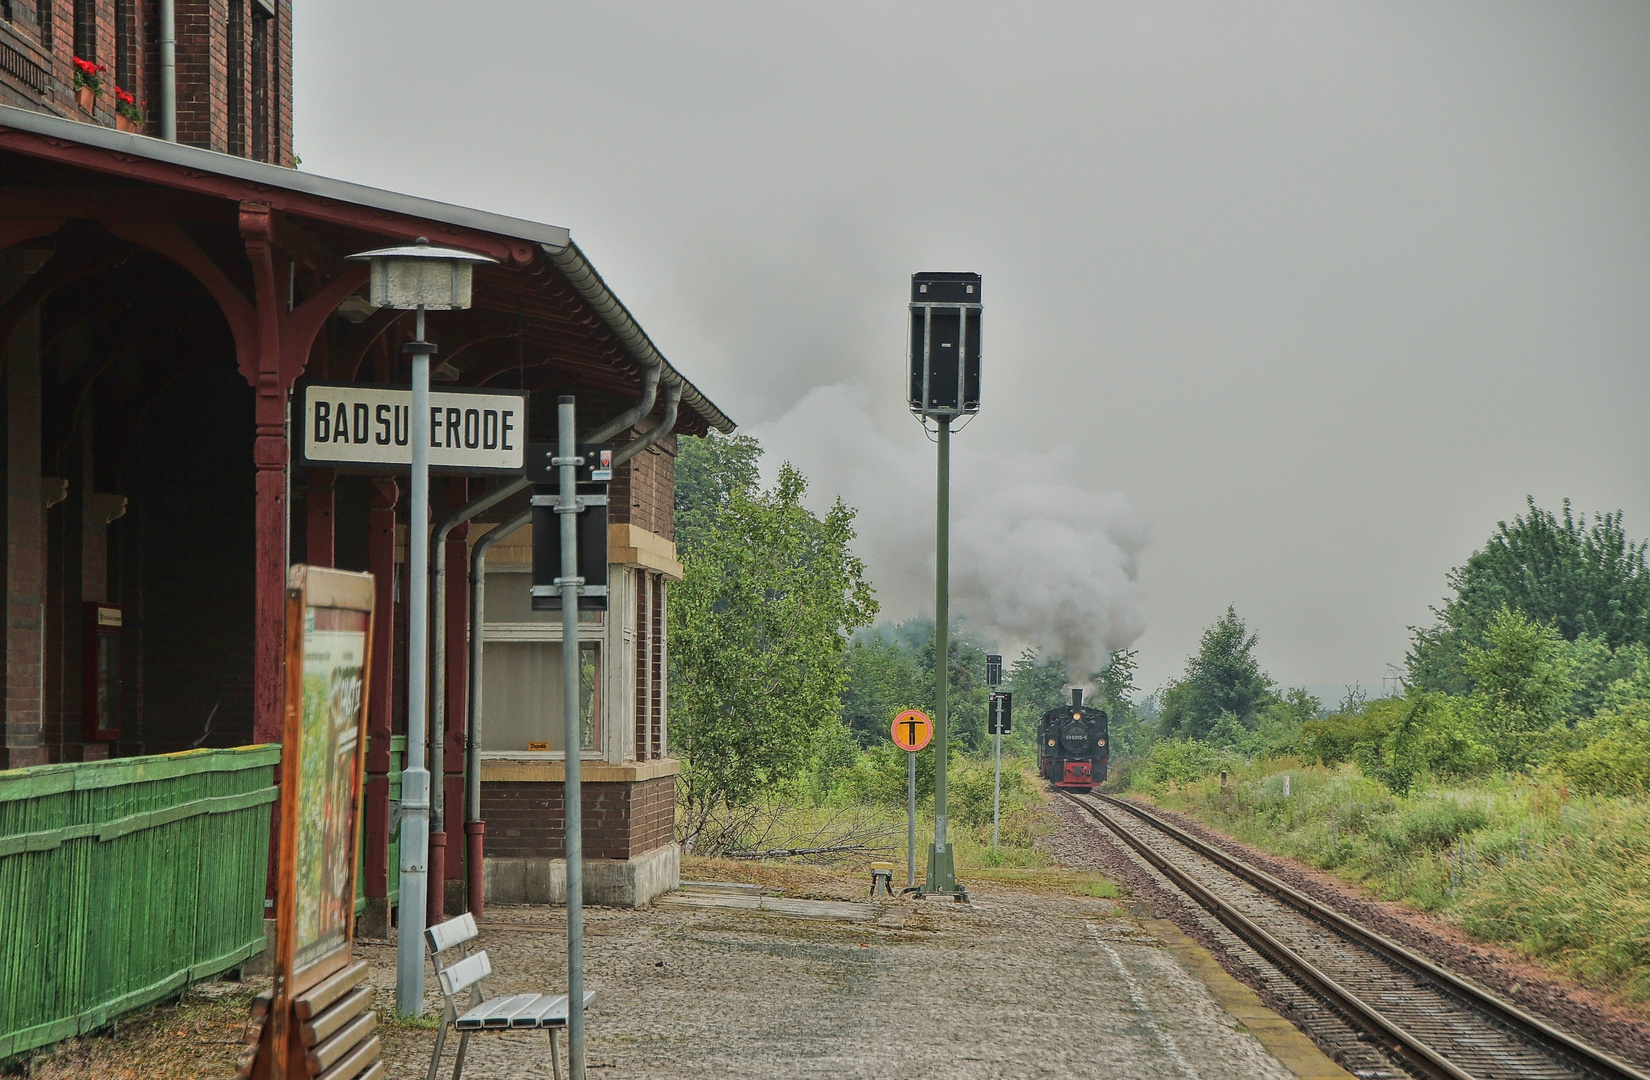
[
  {"x": 882, "y": 680},
  {"x": 1282, "y": 721},
  {"x": 759, "y": 626},
  {"x": 1223, "y": 678},
  {"x": 1523, "y": 685},
  {"x": 1114, "y": 690},
  {"x": 1037, "y": 686},
  {"x": 1585, "y": 579},
  {"x": 966, "y": 692},
  {"x": 892, "y": 668},
  {"x": 709, "y": 473}
]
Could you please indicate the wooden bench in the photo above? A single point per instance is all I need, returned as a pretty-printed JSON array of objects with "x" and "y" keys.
[{"x": 458, "y": 969}]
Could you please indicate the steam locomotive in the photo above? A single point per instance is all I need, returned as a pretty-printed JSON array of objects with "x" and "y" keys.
[{"x": 1071, "y": 745}]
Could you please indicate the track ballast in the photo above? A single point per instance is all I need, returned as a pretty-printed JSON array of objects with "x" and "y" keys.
[{"x": 1431, "y": 1021}]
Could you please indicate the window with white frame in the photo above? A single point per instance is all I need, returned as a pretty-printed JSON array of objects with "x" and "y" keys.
[{"x": 521, "y": 692}]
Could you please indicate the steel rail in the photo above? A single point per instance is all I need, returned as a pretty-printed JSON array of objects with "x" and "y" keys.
[
  {"x": 1526, "y": 1024},
  {"x": 1398, "y": 1040}
]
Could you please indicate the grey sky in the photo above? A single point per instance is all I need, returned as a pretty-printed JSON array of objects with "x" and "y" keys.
[{"x": 1323, "y": 289}]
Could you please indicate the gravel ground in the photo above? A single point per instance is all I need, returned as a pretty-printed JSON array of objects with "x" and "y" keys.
[
  {"x": 1587, "y": 1014},
  {"x": 1018, "y": 983},
  {"x": 1082, "y": 842}
]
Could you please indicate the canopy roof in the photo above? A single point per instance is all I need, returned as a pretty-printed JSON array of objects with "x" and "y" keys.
[{"x": 543, "y": 314}]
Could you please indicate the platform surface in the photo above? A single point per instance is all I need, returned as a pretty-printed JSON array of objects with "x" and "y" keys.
[{"x": 1014, "y": 984}]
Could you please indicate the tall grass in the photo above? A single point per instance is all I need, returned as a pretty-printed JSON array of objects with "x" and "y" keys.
[
  {"x": 1513, "y": 859},
  {"x": 865, "y": 809}
]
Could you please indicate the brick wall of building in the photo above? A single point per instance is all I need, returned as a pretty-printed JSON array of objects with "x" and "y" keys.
[
  {"x": 214, "y": 57},
  {"x": 621, "y": 820},
  {"x": 653, "y": 814},
  {"x": 644, "y": 490}
]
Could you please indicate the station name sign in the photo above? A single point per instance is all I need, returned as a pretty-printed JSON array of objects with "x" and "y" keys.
[{"x": 367, "y": 428}]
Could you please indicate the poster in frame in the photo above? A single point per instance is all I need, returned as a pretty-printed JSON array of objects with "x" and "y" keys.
[{"x": 328, "y": 658}]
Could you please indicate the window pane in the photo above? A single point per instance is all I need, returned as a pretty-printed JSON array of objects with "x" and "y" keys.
[
  {"x": 510, "y": 600},
  {"x": 521, "y": 694}
]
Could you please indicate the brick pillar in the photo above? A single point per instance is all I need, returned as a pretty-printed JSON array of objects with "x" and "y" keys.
[
  {"x": 25, "y": 550},
  {"x": 203, "y": 73},
  {"x": 384, "y": 493},
  {"x": 319, "y": 533}
]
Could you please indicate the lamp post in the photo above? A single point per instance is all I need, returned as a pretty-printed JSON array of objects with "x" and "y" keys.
[
  {"x": 944, "y": 385},
  {"x": 418, "y": 278}
]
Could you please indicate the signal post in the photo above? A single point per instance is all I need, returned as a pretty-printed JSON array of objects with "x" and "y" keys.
[{"x": 944, "y": 385}]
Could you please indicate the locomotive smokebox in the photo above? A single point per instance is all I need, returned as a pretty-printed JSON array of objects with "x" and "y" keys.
[
  {"x": 1077, "y": 697},
  {"x": 945, "y": 345}
]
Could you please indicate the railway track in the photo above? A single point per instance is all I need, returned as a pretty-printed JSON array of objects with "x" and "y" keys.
[{"x": 1428, "y": 1019}]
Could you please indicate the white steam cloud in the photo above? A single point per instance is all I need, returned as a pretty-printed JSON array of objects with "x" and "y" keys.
[{"x": 1036, "y": 559}]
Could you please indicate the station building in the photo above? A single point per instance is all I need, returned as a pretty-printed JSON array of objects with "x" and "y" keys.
[{"x": 159, "y": 303}]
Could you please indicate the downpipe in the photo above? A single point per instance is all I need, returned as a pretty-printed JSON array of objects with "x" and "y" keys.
[
  {"x": 666, "y": 424},
  {"x": 474, "y": 828},
  {"x": 437, "y": 881}
]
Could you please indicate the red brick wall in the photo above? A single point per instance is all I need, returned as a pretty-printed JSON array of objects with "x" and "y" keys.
[
  {"x": 203, "y": 75},
  {"x": 282, "y": 86},
  {"x": 653, "y": 814},
  {"x": 644, "y": 490},
  {"x": 203, "y": 67},
  {"x": 524, "y": 818}
]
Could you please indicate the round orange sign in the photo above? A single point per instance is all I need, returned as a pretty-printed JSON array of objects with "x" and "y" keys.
[{"x": 912, "y": 730}]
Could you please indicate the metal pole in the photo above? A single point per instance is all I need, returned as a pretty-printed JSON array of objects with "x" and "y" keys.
[
  {"x": 169, "y": 72},
  {"x": 997, "y": 787},
  {"x": 910, "y": 820},
  {"x": 567, "y": 508},
  {"x": 942, "y": 876},
  {"x": 415, "y": 780}
]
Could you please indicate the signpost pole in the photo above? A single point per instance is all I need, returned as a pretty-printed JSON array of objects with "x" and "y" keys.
[
  {"x": 912, "y": 730},
  {"x": 997, "y": 786},
  {"x": 942, "y": 876},
  {"x": 910, "y": 820},
  {"x": 567, "y": 509},
  {"x": 415, "y": 780}
]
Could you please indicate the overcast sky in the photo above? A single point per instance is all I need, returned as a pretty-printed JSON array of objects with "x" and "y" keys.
[{"x": 1323, "y": 290}]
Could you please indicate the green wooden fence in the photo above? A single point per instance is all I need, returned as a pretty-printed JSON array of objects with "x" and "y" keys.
[{"x": 123, "y": 881}]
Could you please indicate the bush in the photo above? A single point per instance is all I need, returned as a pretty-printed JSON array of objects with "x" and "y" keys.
[
  {"x": 1433, "y": 826},
  {"x": 968, "y": 791},
  {"x": 1436, "y": 734},
  {"x": 1186, "y": 760},
  {"x": 1614, "y": 758},
  {"x": 1337, "y": 737}
]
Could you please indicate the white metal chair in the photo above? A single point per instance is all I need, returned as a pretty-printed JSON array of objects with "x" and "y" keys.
[{"x": 458, "y": 969}]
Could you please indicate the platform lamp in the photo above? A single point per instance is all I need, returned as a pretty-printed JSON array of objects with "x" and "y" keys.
[
  {"x": 944, "y": 385},
  {"x": 418, "y": 278}
]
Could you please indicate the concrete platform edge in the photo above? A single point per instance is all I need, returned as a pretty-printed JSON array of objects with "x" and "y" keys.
[{"x": 1282, "y": 1039}]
